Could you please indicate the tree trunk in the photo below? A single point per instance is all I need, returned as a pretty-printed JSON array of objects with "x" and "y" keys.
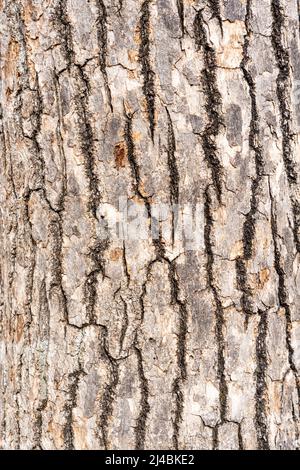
[{"x": 140, "y": 334}]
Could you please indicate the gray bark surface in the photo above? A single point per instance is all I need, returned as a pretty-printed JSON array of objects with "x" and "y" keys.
[{"x": 109, "y": 344}]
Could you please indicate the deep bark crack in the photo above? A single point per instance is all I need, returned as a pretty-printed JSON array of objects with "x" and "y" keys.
[
  {"x": 261, "y": 383},
  {"x": 147, "y": 72},
  {"x": 284, "y": 99},
  {"x": 219, "y": 314},
  {"x": 213, "y": 103},
  {"x": 101, "y": 24}
]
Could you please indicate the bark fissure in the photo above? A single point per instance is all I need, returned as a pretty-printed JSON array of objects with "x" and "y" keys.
[
  {"x": 219, "y": 314},
  {"x": 213, "y": 103},
  {"x": 283, "y": 296},
  {"x": 140, "y": 429},
  {"x": 134, "y": 166},
  {"x": 70, "y": 404},
  {"x": 172, "y": 164},
  {"x": 101, "y": 23},
  {"x": 180, "y": 9},
  {"x": 181, "y": 351},
  {"x": 284, "y": 99},
  {"x": 261, "y": 383},
  {"x": 108, "y": 395},
  {"x": 173, "y": 172},
  {"x": 145, "y": 60},
  {"x": 216, "y": 11},
  {"x": 255, "y": 146}
]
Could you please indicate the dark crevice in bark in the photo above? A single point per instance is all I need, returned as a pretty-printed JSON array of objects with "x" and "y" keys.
[
  {"x": 284, "y": 99},
  {"x": 109, "y": 393},
  {"x": 255, "y": 146},
  {"x": 296, "y": 425},
  {"x": 216, "y": 11},
  {"x": 283, "y": 296},
  {"x": 243, "y": 286},
  {"x": 181, "y": 350},
  {"x": 42, "y": 350},
  {"x": 215, "y": 438},
  {"x": 176, "y": 300},
  {"x": 261, "y": 383},
  {"x": 145, "y": 60},
  {"x": 144, "y": 291},
  {"x": 180, "y": 9},
  {"x": 134, "y": 166},
  {"x": 90, "y": 287},
  {"x": 173, "y": 172},
  {"x": 254, "y": 143},
  {"x": 70, "y": 404},
  {"x": 140, "y": 429},
  {"x": 283, "y": 88},
  {"x": 33, "y": 253},
  {"x": 65, "y": 30},
  {"x": 179, "y": 402},
  {"x": 101, "y": 24},
  {"x": 296, "y": 222},
  {"x": 172, "y": 164},
  {"x": 213, "y": 103},
  {"x": 125, "y": 325},
  {"x": 240, "y": 437},
  {"x": 219, "y": 314},
  {"x": 125, "y": 265},
  {"x": 87, "y": 142},
  {"x": 60, "y": 142}
]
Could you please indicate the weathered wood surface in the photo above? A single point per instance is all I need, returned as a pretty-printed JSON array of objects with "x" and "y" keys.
[{"x": 140, "y": 343}]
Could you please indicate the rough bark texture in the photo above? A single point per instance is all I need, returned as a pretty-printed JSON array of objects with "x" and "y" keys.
[{"x": 146, "y": 344}]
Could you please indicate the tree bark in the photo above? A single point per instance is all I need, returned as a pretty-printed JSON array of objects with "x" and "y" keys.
[{"x": 148, "y": 342}]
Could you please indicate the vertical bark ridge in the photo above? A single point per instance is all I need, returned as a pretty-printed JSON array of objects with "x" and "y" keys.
[
  {"x": 101, "y": 23},
  {"x": 173, "y": 172},
  {"x": 172, "y": 164},
  {"x": 284, "y": 98},
  {"x": 216, "y": 11},
  {"x": 96, "y": 254},
  {"x": 44, "y": 335},
  {"x": 61, "y": 17},
  {"x": 255, "y": 146},
  {"x": 125, "y": 324},
  {"x": 283, "y": 297},
  {"x": 219, "y": 314},
  {"x": 213, "y": 104},
  {"x": 134, "y": 166},
  {"x": 181, "y": 350},
  {"x": 87, "y": 147},
  {"x": 109, "y": 394},
  {"x": 56, "y": 281},
  {"x": 145, "y": 60},
  {"x": 23, "y": 83},
  {"x": 180, "y": 9},
  {"x": 240, "y": 437},
  {"x": 261, "y": 383},
  {"x": 140, "y": 429},
  {"x": 70, "y": 404}
]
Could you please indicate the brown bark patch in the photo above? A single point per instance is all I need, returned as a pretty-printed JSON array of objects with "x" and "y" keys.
[
  {"x": 20, "y": 328},
  {"x": 10, "y": 64},
  {"x": 264, "y": 276},
  {"x": 120, "y": 154},
  {"x": 116, "y": 254}
]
